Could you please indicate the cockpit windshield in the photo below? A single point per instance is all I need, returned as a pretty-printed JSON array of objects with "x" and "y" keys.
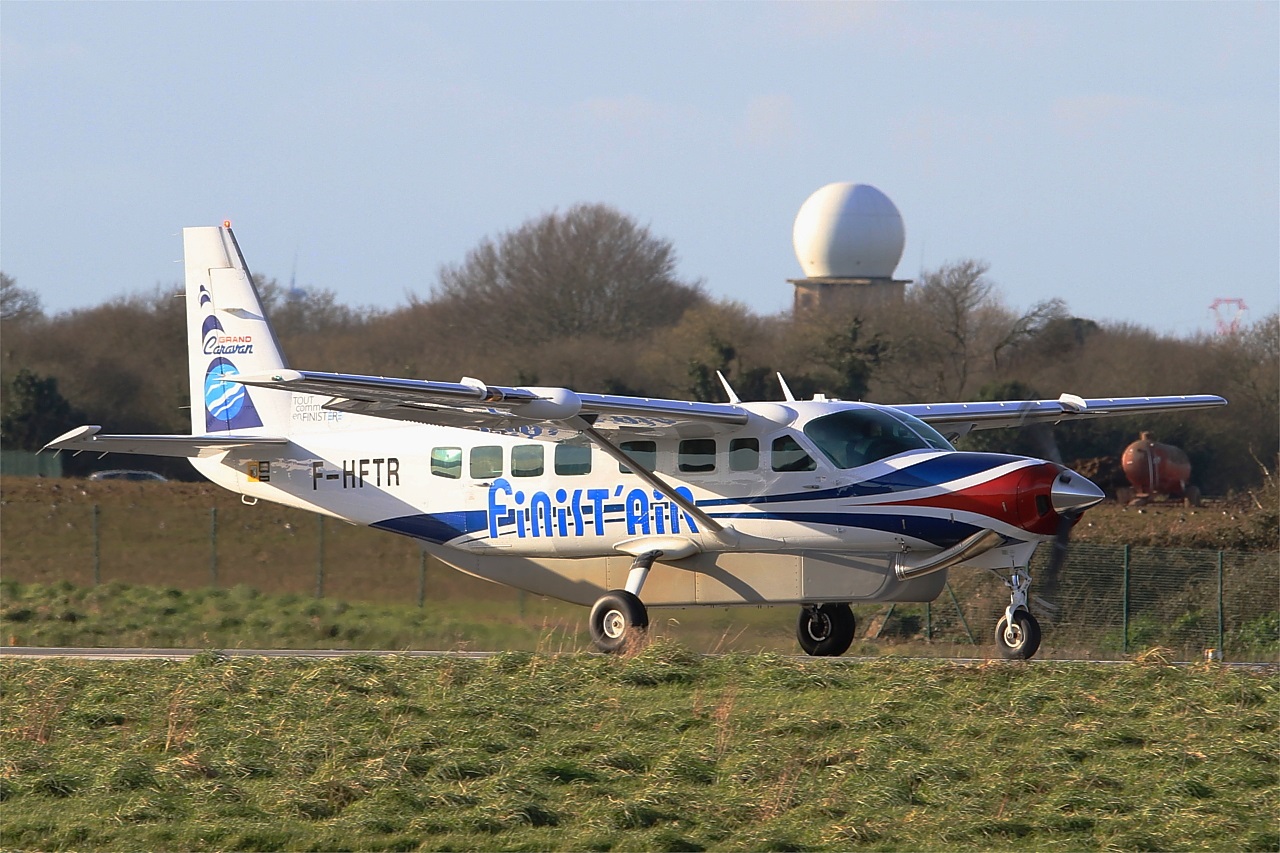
[{"x": 859, "y": 436}]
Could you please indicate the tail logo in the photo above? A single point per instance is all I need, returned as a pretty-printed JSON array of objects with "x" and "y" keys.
[
  {"x": 218, "y": 342},
  {"x": 227, "y": 404}
]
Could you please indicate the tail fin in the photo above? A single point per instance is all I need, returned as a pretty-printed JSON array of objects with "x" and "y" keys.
[{"x": 227, "y": 334}]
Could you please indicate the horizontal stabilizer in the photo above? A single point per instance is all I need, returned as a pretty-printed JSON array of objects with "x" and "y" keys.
[{"x": 88, "y": 438}]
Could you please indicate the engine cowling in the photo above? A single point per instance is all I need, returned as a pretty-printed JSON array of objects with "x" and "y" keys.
[{"x": 1047, "y": 492}]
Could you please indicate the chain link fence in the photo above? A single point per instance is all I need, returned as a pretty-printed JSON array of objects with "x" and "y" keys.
[{"x": 1111, "y": 601}]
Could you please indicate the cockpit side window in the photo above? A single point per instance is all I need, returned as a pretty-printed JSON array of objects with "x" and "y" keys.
[
  {"x": 860, "y": 436},
  {"x": 787, "y": 455}
]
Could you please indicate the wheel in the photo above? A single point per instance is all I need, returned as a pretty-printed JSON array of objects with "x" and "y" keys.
[
  {"x": 826, "y": 631},
  {"x": 614, "y": 617},
  {"x": 1020, "y": 640}
]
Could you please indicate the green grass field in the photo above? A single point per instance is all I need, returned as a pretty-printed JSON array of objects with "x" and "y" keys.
[
  {"x": 118, "y": 614},
  {"x": 663, "y": 750}
]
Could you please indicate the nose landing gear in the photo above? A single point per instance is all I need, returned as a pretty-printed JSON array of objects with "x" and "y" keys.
[{"x": 1017, "y": 632}]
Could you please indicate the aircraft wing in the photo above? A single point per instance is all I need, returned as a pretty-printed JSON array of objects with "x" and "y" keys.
[
  {"x": 87, "y": 438},
  {"x": 960, "y": 418},
  {"x": 473, "y": 404}
]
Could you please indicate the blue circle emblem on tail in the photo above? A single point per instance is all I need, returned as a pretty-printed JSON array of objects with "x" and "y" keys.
[{"x": 223, "y": 398}]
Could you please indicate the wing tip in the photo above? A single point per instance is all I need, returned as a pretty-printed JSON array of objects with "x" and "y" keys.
[{"x": 72, "y": 437}]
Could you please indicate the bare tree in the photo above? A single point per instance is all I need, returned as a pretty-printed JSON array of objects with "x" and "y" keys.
[
  {"x": 18, "y": 304},
  {"x": 591, "y": 271},
  {"x": 953, "y": 333}
]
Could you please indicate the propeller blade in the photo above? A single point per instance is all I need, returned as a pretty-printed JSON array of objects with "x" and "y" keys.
[
  {"x": 1071, "y": 495},
  {"x": 1057, "y": 559}
]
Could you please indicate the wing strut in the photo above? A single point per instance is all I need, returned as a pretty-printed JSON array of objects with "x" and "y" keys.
[{"x": 716, "y": 528}]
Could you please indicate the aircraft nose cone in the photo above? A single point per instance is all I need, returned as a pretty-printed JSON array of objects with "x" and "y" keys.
[{"x": 1073, "y": 493}]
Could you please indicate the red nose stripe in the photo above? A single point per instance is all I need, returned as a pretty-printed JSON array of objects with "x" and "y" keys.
[{"x": 1009, "y": 498}]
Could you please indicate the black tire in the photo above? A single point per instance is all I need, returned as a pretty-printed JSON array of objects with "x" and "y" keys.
[
  {"x": 826, "y": 631},
  {"x": 616, "y": 619},
  {"x": 1021, "y": 642}
]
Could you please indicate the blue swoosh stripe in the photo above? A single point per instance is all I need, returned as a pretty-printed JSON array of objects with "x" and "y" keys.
[
  {"x": 439, "y": 527},
  {"x": 942, "y": 532},
  {"x": 936, "y": 471},
  {"x": 926, "y": 474},
  {"x": 444, "y": 527}
]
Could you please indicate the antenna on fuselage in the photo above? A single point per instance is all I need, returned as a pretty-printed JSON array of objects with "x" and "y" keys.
[
  {"x": 786, "y": 391},
  {"x": 733, "y": 397}
]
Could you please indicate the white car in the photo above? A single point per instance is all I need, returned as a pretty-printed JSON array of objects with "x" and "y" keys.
[{"x": 127, "y": 474}]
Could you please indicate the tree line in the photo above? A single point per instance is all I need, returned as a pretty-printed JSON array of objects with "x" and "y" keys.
[{"x": 589, "y": 299}]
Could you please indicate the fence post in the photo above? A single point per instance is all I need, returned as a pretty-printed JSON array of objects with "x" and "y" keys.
[
  {"x": 422, "y": 577},
  {"x": 960, "y": 613},
  {"x": 1124, "y": 603},
  {"x": 880, "y": 627},
  {"x": 1222, "y": 651},
  {"x": 320, "y": 557},
  {"x": 97, "y": 549},
  {"x": 928, "y": 621},
  {"x": 213, "y": 547}
]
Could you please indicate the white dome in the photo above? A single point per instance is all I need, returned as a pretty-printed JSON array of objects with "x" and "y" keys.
[{"x": 848, "y": 230}]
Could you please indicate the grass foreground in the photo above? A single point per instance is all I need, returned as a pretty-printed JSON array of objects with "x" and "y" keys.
[{"x": 660, "y": 750}]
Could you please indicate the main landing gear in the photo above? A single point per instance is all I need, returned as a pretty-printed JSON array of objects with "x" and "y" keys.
[
  {"x": 1017, "y": 632},
  {"x": 616, "y": 618},
  {"x": 826, "y": 630},
  {"x": 619, "y": 617}
]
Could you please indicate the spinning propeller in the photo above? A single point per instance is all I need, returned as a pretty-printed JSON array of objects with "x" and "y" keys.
[{"x": 1070, "y": 495}]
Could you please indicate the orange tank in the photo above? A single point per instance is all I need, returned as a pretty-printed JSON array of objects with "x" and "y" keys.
[{"x": 1152, "y": 467}]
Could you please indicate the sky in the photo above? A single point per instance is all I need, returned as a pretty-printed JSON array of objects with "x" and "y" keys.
[{"x": 1124, "y": 157}]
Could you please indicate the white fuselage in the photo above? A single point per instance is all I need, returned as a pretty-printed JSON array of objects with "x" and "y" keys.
[{"x": 536, "y": 508}]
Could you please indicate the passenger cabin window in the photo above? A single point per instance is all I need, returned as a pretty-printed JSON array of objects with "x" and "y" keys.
[
  {"x": 446, "y": 462},
  {"x": 744, "y": 454},
  {"x": 573, "y": 459},
  {"x": 697, "y": 456},
  {"x": 644, "y": 452},
  {"x": 788, "y": 455},
  {"x": 526, "y": 460},
  {"x": 860, "y": 436},
  {"x": 486, "y": 462}
]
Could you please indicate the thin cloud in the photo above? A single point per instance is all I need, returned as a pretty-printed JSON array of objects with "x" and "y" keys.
[
  {"x": 635, "y": 117},
  {"x": 770, "y": 122},
  {"x": 918, "y": 29},
  {"x": 43, "y": 57},
  {"x": 1089, "y": 116}
]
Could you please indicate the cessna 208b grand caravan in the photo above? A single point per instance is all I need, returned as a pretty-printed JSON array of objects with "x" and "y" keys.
[{"x": 626, "y": 502}]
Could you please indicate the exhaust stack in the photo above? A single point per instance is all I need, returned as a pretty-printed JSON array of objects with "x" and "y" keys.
[{"x": 979, "y": 543}]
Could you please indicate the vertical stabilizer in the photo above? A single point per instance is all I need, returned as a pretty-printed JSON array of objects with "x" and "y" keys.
[{"x": 227, "y": 334}]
